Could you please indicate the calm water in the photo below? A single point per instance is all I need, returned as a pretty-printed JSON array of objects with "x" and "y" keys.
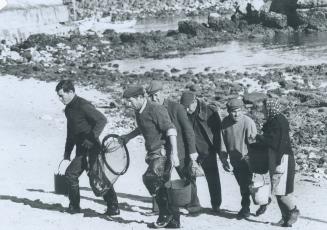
[{"x": 282, "y": 50}]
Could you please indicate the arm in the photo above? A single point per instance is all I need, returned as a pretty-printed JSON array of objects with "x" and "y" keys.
[
  {"x": 215, "y": 125},
  {"x": 126, "y": 138},
  {"x": 251, "y": 132},
  {"x": 187, "y": 131},
  {"x": 172, "y": 133},
  {"x": 70, "y": 143},
  {"x": 98, "y": 120},
  {"x": 164, "y": 124},
  {"x": 271, "y": 135}
]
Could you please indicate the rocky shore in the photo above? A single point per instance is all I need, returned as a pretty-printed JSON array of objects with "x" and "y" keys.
[{"x": 88, "y": 60}]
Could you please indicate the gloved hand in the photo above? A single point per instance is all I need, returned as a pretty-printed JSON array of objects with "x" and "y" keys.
[
  {"x": 194, "y": 156},
  {"x": 199, "y": 160},
  {"x": 87, "y": 144}
]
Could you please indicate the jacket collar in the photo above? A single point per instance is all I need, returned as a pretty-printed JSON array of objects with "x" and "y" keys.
[{"x": 73, "y": 101}]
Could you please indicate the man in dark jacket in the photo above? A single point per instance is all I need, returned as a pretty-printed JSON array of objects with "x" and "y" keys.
[
  {"x": 185, "y": 137},
  {"x": 207, "y": 128},
  {"x": 84, "y": 126},
  {"x": 160, "y": 143}
]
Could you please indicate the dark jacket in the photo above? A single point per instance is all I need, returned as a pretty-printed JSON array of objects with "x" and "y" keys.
[
  {"x": 210, "y": 121},
  {"x": 276, "y": 136},
  {"x": 185, "y": 132},
  {"x": 84, "y": 121}
]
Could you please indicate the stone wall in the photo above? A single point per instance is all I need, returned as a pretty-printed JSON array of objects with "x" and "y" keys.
[{"x": 125, "y": 9}]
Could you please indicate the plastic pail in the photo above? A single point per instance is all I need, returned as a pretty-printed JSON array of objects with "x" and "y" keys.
[{"x": 179, "y": 192}]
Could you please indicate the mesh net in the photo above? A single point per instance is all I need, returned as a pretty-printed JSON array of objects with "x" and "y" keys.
[{"x": 115, "y": 157}]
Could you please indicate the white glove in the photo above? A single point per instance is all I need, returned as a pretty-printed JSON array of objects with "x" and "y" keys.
[
  {"x": 194, "y": 156},
  {"x": 63, "y": 166}
]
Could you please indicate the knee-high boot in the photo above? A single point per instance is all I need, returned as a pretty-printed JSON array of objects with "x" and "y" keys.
[
  {"x": 112, "y": 203},
  {"x": 74, "y": 199}
]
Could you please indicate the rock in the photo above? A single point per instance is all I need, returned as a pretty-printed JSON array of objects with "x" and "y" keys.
[
  {"x": 174, "y": 70},
  {"x": 315, "y": 18},
  {"x": 320, "y": 170},
  {"x": 312, "y": 155},
  {"x": 323, "y": 160},
  {"x": 283, "y": 6},
  {"x": 273, "y": 20},
  {"x": 254, "y": 98},
  {"x": 219, "y": 23},
  {"x": 193, "y": 28},
  {"x": 311, "y": 3}
]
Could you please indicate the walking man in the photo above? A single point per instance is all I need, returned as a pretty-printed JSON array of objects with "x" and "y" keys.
[
  {"x": 206, "y": 124},
  {"x": 238, "y": 131},
  {"x": 185, "y": 138},
  {"x": 84, "y": 126},
  {"x": 160, "y": 143}
]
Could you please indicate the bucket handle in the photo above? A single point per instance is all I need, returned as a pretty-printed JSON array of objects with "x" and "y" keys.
[{"x": 59, "y": 165}]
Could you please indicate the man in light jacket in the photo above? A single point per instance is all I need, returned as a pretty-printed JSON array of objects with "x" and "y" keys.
[{"x": 160, "y": 143}]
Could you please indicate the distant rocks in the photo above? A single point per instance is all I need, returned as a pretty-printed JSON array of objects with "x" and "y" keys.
[{"x": 193, "y": 28}]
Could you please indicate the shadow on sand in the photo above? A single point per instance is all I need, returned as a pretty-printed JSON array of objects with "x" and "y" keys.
[{"x": 59, "y": 208}]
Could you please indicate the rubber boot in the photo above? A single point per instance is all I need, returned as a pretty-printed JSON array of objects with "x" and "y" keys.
[
  {"x": 112, "y": 203},
  {"x": 74, "y": 199}
]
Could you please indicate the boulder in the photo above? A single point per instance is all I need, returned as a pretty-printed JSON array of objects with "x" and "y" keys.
[
  {"x": 315, "y": 18},
  {"x": 311, "y": 3},
  {"x": 283, "y": 6},
  {"x": 273, "y": 20},
  {"x": 193, "y": 28},
  {"x": 219, "y": 23},
  {"x": 254, "y": 98}
]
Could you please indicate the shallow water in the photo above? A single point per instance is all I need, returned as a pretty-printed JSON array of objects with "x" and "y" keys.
[{"x": 281, "y": 51}]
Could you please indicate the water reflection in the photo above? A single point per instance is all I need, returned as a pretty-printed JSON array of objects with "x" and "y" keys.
[{"x": 282, "y": 50}]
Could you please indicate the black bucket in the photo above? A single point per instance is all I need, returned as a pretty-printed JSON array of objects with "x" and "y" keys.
[{"x": 60, "y": 183}]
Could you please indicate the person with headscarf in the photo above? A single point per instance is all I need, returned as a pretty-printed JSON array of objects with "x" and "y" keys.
[{"x": 281, "y": 160}]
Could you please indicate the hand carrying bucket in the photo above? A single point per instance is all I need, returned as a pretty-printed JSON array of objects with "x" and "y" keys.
[{"x": 60, "y": 183}]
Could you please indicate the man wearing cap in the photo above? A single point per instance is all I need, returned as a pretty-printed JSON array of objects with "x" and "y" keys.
[
  {"x": 206, "y": 124},
  {"x": 84, "y": 126},
  {"x": 185, "y": 137},
  {"x": 238, "y": 131},
  {"x": 160, "y": 143}
]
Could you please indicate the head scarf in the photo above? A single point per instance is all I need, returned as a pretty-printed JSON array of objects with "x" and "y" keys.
[{"x": 273, "y": 107}]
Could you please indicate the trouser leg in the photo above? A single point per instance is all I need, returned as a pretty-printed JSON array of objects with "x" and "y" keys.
[
  {"x": 211, "y": 172},
  {"x": 154, "y": 179},
  {"x": 73, "y": 172},
  {"x": 243, "y": 177},
  {"x": 195, "y": 202},
  {"x": 111, "y": 199}
]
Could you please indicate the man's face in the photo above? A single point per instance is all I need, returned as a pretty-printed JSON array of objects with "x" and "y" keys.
[
  {"x": 135, "y": 102},
  {"x": 236, "y": 114},
  {"x": 65, "y": 97},
  {"x": 192, "y": 107}
]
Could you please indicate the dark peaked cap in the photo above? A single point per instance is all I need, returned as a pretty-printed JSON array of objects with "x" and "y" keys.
[
  {"x": 187, "y": 98},
  {"x": 133, "y": 91},
  {"x": 154, "y": 87}
]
